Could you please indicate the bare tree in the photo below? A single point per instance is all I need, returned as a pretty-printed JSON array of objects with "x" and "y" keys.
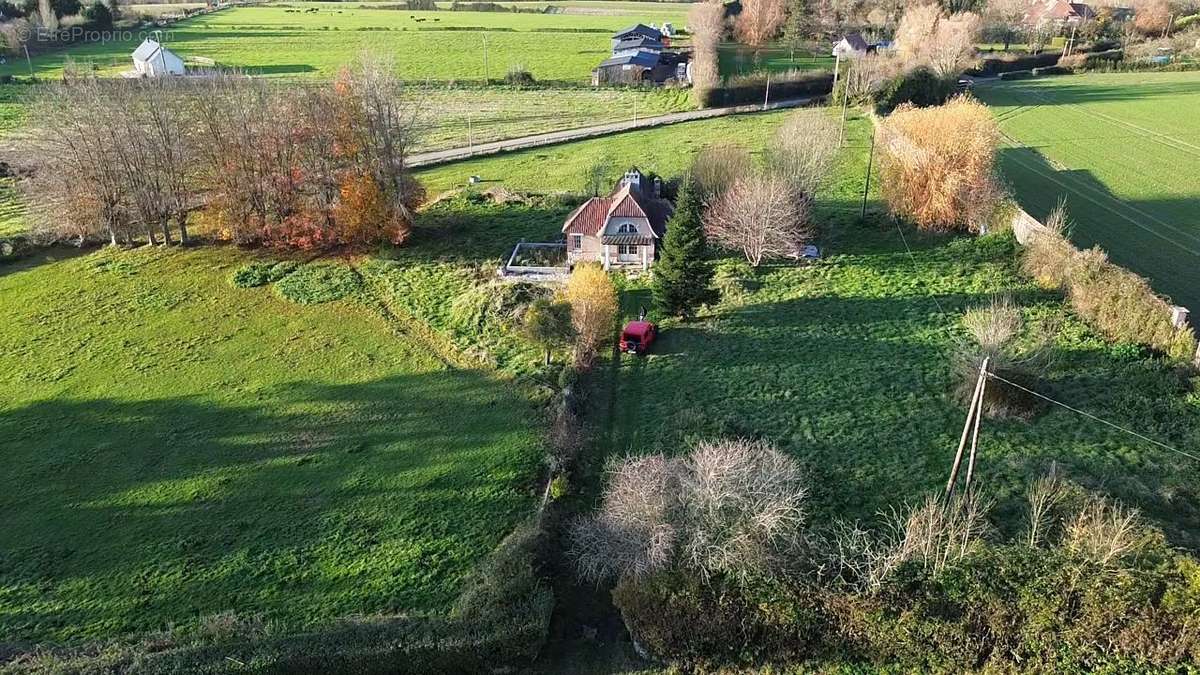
[
  {"x": 1104, "y": 531},
  {"x": 804, "y": 149},
  {"x": 636, "y": 531},
  {"x": 706, "y": 23},
  {"x": 731, "y": 507},
  {"x": 760, "y": 21},
  {"x": 716, "y": 167},
  {"x": 926, "y": 36},
  {"x": 761, "y": 215},
  {"x": 744, "y": 505}
]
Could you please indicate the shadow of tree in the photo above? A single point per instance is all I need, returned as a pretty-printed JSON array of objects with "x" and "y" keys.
[{"x": 122, "y": 515}]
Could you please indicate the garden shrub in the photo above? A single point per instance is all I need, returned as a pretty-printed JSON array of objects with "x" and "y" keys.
[
  {"x": 937, "y": 167},
  {"x": 920, "y": 86},
  {"x": 313, "y": 284},
  {"x": 680, "y": 619},
  {"x": 995, "y": 65},
  {"x": 734, "y": 279},
  {"x": 256, "y": 274}
]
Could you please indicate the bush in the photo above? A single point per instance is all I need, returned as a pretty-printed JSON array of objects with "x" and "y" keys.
[
  {"x": 734, "y": 279},
  {"x": 920, "y": 86},
  {"x": 519, "y": 76},
  {"x": 256, "y": 274},
  {"x": 753, "y": 88},
  {"x": 313, "y": 284},
  {"x": 995, "y": 65},
  {"x": 1115, "y": 301},
  {"x": 937, "y": 168}
]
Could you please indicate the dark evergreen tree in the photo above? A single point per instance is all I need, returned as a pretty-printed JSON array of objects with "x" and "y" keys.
[{"x": 683, "y": 276}]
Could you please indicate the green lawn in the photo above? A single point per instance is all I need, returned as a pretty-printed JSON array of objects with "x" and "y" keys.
[
  {"x": 666, "y": 150},
  {"x": 846, "y": 363},
  {"x": 444, "y": 46},
  {"x": 174, "y": 446},
  {"x": 737, "y": 59},
  {"x": 1124, "y": 150}
]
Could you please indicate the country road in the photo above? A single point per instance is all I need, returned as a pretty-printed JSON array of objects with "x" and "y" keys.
[{"x": 424, "y": 159}]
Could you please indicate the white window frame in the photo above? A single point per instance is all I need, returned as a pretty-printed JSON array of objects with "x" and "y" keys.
[
  {"x": 627, "y": 228},
  {"x": 576, "y": 242},
  {"x": 628, "y": 252}
]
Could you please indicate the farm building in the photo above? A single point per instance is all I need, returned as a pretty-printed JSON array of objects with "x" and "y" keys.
[
  {"x": 640, "y": 54},
  {"x": 151, "y": 59},
  {"x": 640, "y": 30},
  {"x": 621, "y": 230},
  {"x": 852, "y": 46}
]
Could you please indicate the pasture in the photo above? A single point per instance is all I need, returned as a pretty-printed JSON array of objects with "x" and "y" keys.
[
  {"x": 1122, "y": 149},
  {"x": 738, "y": 59},
  {"x": 316, "y": 39},
  {"x": 847, "y": 363},
  {"x": 176, "y": 447}
]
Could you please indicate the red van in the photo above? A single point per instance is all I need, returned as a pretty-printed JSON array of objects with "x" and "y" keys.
[{"x": 637, "y": 336}]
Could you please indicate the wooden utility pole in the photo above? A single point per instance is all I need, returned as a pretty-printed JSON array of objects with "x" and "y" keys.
[
  {"x": 973, "y": 415},
  {"x": 487, "y": 77},
  {"x": 975, "y": 433},
  {"x": 845, "y": 103},
  {"x": 767, "y": 95}
]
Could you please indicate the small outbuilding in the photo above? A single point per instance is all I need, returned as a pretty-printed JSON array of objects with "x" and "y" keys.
[
  {"x": 151, "y": 59},
  {"x": 852, "y": 46}
]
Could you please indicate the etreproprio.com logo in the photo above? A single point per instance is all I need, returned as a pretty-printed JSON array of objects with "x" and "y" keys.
[{"x": 42, "y": 34}]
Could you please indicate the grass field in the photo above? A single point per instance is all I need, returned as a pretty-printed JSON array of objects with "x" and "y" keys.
[
  {"x": 175, "y": 447},
  {"x": 666, "y": 150},
  {"x": 737, "y": 59},
  {"x": 1124, "y": 151},
  {"x": 290, "y": 40},
  {"x": 846, "y": 363}
]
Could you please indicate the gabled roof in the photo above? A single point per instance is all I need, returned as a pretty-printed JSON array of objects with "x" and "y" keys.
[
  {"x": 639, "y": 42},
  {"x": 627, "y": 201},
  {"x": 150, "y": 49},
  {"x": 639, "y": 29},
  {"x": 641, "y": 58},
  {"x": 856, "y": 42}
]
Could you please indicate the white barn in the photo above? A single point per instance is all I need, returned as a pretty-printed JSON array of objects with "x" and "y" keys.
[{"x": 151, "y": 59}]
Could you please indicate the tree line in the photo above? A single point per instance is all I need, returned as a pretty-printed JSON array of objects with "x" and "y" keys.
[{"x": 252, "y": 161}]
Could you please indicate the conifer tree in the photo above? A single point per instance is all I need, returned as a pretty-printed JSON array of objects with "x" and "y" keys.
[{"x": 683, "y": 276}]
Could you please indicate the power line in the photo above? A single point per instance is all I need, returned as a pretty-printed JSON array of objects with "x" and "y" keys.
[
  {"x": 1098, "y": 419},
  {"x": 913, "y": 258}
]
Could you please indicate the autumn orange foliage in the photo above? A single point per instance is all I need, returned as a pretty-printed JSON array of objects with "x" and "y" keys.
[{"x": 937, "y": 165}]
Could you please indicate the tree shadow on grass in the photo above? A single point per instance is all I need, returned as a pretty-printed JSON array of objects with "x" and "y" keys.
[
  {"x": 124, "y": 515},
  {"x": 1156, "y": 238},
  {"x": 860, "y": 389}
]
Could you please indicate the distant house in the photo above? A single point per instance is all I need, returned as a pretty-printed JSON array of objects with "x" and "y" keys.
[
  {"x": 622, "y": 230},
  {"x": 151, "y": 59},
  {"x": 852, "y": 46},
  {"x": 640, "y": 54},
  {"x": 1058, "y": 12}
]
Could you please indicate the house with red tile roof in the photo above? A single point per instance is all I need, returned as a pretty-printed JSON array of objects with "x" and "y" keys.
[
  {"x": 1060, "y": 12},
  {"x": 622, "y": 230}
]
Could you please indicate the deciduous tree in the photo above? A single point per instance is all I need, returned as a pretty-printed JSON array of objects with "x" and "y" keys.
[
  {"x": 593, "y": 301},
  {"x": 549, "y": 325},
  {"x": 760, "y": 21},
  {"x": 761, "y": 215}
]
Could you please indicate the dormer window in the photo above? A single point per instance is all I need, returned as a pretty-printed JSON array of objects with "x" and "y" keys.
[{"x": 627, "y": 228}]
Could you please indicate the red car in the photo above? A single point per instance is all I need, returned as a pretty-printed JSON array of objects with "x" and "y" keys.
[{"x": 637, "y": 336}]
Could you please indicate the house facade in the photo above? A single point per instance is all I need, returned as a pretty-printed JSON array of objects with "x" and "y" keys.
[
  {"x": 622, "y": 230},
  {"x": 851, "y": 46}
]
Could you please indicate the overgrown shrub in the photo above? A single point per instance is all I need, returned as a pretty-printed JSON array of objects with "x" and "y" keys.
[
  {"x": 753, "y": 88},
  {"x": 256, "y": 274},
  {"x": 519, "y": 75},
  {"x": 734, "y": 279},
  {"x": 993, "y": 333},
  {"x": 1117, "y": 302},
  {"x": 920, "y": 87},
  {"x": 937, "y": 167},
  {"x": 313, "y": 284},
  {"x": 994, "y": 65}
]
